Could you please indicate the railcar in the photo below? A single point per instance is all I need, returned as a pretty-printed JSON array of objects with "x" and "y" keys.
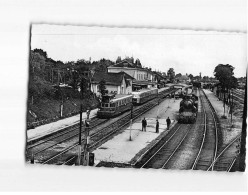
[
  {"x": 165, "y": 92},
  {"x": 188, "y": 109},
  {"x": 144, "y": 95},
  {"x": 197, "y": 84},
  {"x": 113, "y": 105}
]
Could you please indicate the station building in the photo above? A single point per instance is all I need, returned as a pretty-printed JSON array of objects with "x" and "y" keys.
[
  {"x": 116, "y": 83},
  {"x": 143, "y": 77},
  {"x": 184, "y": 79}
]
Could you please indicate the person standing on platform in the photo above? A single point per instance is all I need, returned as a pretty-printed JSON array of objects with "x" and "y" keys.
[
  {"x": 168, "y": 121},
  {"x": 157, "y": 126},
  {"x": 144, "y": 123}
]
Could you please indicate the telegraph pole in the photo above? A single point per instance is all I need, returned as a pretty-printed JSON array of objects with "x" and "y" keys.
[
  {"x": 80, "y": 134},
  {"x": 232, "y": 108},
  {"x": 224, "y": 99},
  {"x": 131, "y": 121},
  {"x": 85, "y": 158}
]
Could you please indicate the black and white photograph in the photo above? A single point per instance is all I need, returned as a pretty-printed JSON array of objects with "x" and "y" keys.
[
  {"x": 136, "y": 98},
  {"x": 123, "y": 96}
]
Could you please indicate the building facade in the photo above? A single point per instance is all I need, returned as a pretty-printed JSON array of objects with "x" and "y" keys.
[
  {"x": 118, "y": 83},
  {"x": 144, "y": 78}
]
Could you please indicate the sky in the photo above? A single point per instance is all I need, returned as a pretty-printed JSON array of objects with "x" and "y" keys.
[{"x": 186, "y": 51}]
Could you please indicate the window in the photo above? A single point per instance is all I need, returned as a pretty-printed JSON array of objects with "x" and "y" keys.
[{"x": 104, "y": 105}]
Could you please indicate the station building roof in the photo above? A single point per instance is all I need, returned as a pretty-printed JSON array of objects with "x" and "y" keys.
[
  {"x": 111, "y": 78},
  {"x": 126, "y": 64}
]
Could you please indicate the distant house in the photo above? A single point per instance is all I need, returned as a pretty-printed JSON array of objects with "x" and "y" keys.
[
  {"x": 144, "y": 77},
  {"x": 119, "y": 83},
  {"x": 161, "y": 80},
  {"x": 183, "y": 79}
]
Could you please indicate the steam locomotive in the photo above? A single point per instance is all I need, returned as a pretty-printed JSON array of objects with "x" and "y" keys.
[{"x": 188, "y": 109}]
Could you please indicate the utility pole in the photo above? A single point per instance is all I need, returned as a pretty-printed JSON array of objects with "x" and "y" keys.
[
  {"x": 86, "y": 153},
  {"x": 157, "y": 98},
  {"x": 131, "y": 121},
  {"x": 232, "y": 108},
  {"x": 224, "y": 99},
  {"x": 80, "y": 133},
  {"x": 62, "y": 102}
]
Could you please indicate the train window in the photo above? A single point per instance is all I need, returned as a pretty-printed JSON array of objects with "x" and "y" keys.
[
  {"x": 112, "y": 105},
  {"x": 104, "y": 105}
]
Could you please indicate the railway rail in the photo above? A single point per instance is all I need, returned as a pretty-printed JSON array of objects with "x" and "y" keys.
[
  {"x": 209, "y": 146},
  {"x": 227, "y": 156},
  {"x": 163, "y": 154},
  {"x": 55, "y": 139},
  {"x": 46, "y": 152},
  {"x": 157, "y": 156}
]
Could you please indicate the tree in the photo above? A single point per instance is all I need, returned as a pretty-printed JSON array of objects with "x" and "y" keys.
[
  {"x": 164, "y": 74},
  {"x": 171, "y": 74},
  {"x": 197, "y": 78},
  {"x": 74, "y": 80},
  {"x": 178, "y": 75},
  {"x": 191, "y": 76},
  {"x": 41, "y": 52},
  {"x": 137, "y": 63},
  {"x": 205, "y": 78},
  {"x": 118, "y": 60},
  {"x": 224, "y": 73},
  {"x": 84, "y": 87},
  {"x": 102, "y": 87}
]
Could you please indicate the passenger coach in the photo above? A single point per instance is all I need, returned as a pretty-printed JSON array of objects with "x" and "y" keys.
[{"x": 144, "y": 95}]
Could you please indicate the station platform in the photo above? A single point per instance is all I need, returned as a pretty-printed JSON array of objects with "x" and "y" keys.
[
  {"x": 229, "y": 129},
  {"x": 121, "y": 150},
  {"x": 217, "y": 104},
  {"x": 44, "y": 130}
]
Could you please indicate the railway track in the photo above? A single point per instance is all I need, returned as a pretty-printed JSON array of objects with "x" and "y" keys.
[
  {"x": 238, "y": 99},
  {"x": 164, "y": 154},
  {"x": 62, "y": 148},
  {"x": 227, "y": 156},
  {"x": 55, "y": 139},
  {"x": 239, "y": 93},
  {"x": 209, "y": 145},
  {"x": 157, "y": 156}
]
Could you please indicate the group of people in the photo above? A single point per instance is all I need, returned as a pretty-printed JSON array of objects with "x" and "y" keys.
[{"x": 144, "y": 124}]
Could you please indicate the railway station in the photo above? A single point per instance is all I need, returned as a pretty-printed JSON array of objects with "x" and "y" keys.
[
  {"x": 119, "y": 141},
  {"x": 138, "y": 106}
]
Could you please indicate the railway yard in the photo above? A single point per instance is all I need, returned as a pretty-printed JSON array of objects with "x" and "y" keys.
[{"x": 211, "y": 143}]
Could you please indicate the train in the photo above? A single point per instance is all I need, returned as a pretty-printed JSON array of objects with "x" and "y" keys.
[
  {"x": 144, "y": 95},
  {"x": 197, "y": 84},
  {"x": 188, "y": 108},
  {"x": 113, "y": 105},
  {"x": 165, "y": 92}
]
